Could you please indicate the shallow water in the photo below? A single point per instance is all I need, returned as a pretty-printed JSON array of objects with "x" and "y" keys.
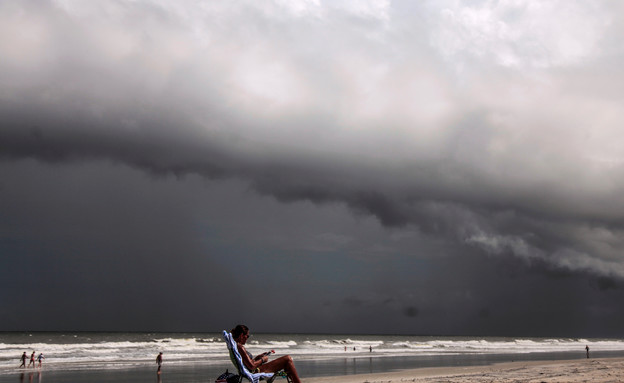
[{"x": 130, "y": 357}]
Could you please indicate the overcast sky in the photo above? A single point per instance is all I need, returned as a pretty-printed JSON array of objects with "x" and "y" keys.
[{"x": 354, "y": 166}]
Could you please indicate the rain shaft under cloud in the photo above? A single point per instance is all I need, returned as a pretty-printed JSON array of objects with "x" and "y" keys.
[{"x": 484, "y": 132}]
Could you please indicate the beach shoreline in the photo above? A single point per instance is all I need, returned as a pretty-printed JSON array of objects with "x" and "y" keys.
[
  {"x": 201, "y": 357},
  {"x": 595, "y": 370}
]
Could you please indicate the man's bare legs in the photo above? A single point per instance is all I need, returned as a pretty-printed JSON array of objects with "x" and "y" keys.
[{"x": 282, "y": 363}]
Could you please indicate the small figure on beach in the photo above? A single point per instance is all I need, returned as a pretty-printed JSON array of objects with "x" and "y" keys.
[
  {"x": 32, "y": 360},
  {"x": 159, "y": 361},
  {"x": 587, "y": 350},
  {"x": 261, "y": 362},
  {"x": 40, "y": 358},
  {"x": 370, "y": 348},
  {"x": 23, "y": 358}
]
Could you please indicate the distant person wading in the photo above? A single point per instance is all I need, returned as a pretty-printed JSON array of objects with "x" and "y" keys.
[{"x": 159, "y": 360}]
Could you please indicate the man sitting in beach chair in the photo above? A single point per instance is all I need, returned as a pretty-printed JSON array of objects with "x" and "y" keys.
[{"x": 259, "y": 367}]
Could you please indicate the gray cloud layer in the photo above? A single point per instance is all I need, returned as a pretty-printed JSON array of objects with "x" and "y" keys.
[{"x": 493, "y": 127}]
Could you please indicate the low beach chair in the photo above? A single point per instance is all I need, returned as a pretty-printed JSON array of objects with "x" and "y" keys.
[{"x": 243, "y": 372}]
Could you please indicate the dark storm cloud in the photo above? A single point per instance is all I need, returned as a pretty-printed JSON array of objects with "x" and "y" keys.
[
  {"x": 463, "y": 130},
  {"x": 64, "y": 140},
  {"x": 196, "y": 108}
]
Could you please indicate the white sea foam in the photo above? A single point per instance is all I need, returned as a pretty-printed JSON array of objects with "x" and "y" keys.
[{"x": 120, "y": 350}]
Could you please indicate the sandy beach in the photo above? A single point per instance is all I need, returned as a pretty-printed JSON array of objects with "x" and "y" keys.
[{"x": 600, "y": 370}]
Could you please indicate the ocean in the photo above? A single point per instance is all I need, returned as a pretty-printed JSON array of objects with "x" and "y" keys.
[{"x": 201, "y": 357}]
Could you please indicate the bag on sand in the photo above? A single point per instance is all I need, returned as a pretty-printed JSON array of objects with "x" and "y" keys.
[{"x": 227, "y": 377}]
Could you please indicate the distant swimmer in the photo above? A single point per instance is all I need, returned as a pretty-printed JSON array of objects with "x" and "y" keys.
[
  {"x": 587, "y": 351},
  {"x": 159, "y": 361},
  {"x": 23, "y": 358},
  {"x": 32, "y": 360},
  {"x": 40, "y": 358}
]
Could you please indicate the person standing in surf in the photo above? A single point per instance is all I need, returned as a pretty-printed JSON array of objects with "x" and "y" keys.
[
  {"x": 23, "y": 358},
  {"x": 159, "y": 361},
  {"x": 32, "y": 360}
]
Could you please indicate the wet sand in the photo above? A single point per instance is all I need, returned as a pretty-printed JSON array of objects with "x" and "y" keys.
[{"x": 600, "y": 370}]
